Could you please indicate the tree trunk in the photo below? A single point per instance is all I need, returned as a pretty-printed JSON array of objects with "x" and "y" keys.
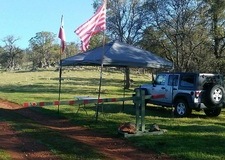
[{"x": 127, "y": 78}]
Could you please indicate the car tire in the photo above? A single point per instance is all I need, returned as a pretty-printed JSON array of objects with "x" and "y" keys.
[
  {"x": 214, "y": 95},
  {"x": 181, "y": 108},
  {"x": 213, "y": 112}
]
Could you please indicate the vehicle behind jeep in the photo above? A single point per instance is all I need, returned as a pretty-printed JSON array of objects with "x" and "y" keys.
[{"x": 187, "y": 91}]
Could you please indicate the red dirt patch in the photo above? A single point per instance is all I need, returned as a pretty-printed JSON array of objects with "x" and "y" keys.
[
  {"x": 27, "y": 148},
  {"x": 22, "y": 148}
]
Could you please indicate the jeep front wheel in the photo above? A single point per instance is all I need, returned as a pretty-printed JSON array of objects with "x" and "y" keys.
[
  {"x": 214, "y": 112},
  {"x": 181, "y": 108}
]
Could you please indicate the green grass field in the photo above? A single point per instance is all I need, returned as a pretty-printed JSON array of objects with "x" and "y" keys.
[{"x": 194, "y": 138}]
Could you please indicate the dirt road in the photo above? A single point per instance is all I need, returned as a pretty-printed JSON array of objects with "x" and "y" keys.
[{"x": 24, "y": 147}]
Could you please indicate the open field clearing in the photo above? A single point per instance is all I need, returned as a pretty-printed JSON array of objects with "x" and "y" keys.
[{"x": 194, "y": 138}]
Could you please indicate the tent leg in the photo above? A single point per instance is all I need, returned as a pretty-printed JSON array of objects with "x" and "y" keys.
[
  {"x": 99, "y": 93},
  {"x": 124, "y": 86}
]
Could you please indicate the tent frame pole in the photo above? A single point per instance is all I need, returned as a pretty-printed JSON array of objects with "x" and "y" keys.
[{"x": 100, "y": 81}]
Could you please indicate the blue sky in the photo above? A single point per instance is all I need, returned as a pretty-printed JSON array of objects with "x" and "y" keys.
[{"x": 24, "y": 18}]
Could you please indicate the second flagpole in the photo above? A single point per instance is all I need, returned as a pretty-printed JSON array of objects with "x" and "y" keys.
[{"x": 101, "y": 70}]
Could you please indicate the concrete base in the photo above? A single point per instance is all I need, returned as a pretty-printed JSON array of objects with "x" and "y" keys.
[{"x": 143, "y": 133}]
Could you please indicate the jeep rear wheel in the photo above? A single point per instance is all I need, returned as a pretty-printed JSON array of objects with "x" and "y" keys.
[
  {"x": 214, "y": 112},
  {"x": 214, "y": 95},
  {"x": 181, "y": 108}
]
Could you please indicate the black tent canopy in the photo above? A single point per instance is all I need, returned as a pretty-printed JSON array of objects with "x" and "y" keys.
[{"x": 117, "y": 54}]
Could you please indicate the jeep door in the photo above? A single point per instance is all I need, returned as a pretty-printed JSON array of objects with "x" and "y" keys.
[
  {"x": 162, "y": 91},
  {"x": 158, "y": 89},
  {"x": 172, "y": 88}
]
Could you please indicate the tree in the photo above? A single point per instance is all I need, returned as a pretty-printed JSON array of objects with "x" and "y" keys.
[
  {"x": 127, "y": 20},
  {"x": 11, "y": 56},
  {"x": 1, "y": 52},
  {"x": 98, "y": 40},
  {"x": 71, "y": 49},
  {"x": 215, "y": 15},
  {"x": 177, "y": 31},
  {"x": 43, "y": 49}
]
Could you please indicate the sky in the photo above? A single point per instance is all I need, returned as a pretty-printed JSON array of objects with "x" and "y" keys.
[{"x": 24, "y": 18}]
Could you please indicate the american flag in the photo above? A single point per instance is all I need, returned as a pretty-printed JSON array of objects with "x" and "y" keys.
[
  {"x": 62, "y": 36},
  {"x": 94, "y": 25}
]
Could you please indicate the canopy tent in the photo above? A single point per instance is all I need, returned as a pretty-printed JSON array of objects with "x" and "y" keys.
[{"x": 117, "y": 54}]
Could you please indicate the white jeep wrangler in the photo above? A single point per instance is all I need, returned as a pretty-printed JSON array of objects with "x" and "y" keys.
[{"x": 187, "y": 91}]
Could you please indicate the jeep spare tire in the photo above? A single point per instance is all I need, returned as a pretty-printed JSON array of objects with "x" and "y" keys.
[{"x": 214, "y": 95}]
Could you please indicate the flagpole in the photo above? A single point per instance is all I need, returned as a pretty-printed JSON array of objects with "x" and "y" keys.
[
  {"x": 62, "y": 47},
  {"x": 100, "y": 80},
  {"x": 94, "y": 25},
  {"x": 101, "y": 70}
]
